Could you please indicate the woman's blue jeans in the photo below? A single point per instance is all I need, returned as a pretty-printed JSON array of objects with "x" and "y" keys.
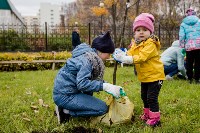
[
  {"x": 81, "y": 104},
  {"x": 171, "y": 70}
]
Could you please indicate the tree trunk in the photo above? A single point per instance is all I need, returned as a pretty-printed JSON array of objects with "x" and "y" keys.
[
  {"x": 137, "y": 7},
  {"x": 121, "y": 43},
  {"x": 123, "y": 29},
  {"x": 114, "y": 7}
]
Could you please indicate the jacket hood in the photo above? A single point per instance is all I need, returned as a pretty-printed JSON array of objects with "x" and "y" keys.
[
  {"x": 175, "y": 43},
  {"x": 190, "y": 20},
  {"x": 155, "y": 40},
  {"x": 81, "y": 49},
  {"x": 75, "y": 32}
]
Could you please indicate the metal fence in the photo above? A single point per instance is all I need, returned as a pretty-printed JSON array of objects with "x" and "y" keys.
[{"x": 58, "y": 38}]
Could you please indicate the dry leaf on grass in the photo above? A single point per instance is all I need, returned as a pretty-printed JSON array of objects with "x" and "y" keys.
[
  {"x": 41, "y": 102},
  {"x": 34, "y": 107},
  {"x": 26, "y": 119},
  {"x": 28, "y": 93},
  {"x": 45, "y": 105},
  {"x": 36, "y": 111}
]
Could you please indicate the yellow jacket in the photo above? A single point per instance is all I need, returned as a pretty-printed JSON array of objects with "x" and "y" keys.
[{"x": 146, "y": 58}]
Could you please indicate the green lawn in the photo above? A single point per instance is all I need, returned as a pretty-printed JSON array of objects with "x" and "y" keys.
[{"x": 27, "y": 105}]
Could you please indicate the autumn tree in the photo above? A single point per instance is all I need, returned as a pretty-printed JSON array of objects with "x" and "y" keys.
[
  {"x": 171, "y": 13},
  {"x": 115, "y": 9},
  {"x": 168, "y": 14}
]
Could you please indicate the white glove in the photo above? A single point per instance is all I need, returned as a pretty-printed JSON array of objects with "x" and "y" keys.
[
  {"x": 121, "y": 56},
  {"x": 112, "y": 89}
]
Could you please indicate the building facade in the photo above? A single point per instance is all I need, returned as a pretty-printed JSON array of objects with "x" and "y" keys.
[
  {"x": 31, "y": 23},
  {"x": 9, "y": 16},
  {"x": 31, "y": 20},
  {"x": 49, "y": 13}
]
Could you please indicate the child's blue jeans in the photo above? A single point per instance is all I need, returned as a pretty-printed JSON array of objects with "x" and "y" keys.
[{"x": 171, "y": 70}]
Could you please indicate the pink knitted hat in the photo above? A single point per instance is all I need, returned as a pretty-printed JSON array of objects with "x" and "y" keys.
[
  {"x": 190, "y": 12},
  {"x": 146, "y": 20}
]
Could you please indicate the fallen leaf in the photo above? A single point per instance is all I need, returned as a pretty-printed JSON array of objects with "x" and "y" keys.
[
  {"x": 45, "y": 105},
  {"x": 36, "y": 111},
  {"x": 41, "y": 102},
  {"x": 34, "y": 107},
  {"x": 24, "y": 114},
  {"x": 100, "y": 130},
  {"x": 26, "y": 119},
  {"x": 28, "y": 93}
]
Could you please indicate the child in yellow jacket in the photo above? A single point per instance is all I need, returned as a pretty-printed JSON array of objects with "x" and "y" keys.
[{"x": 144, "y": 53}]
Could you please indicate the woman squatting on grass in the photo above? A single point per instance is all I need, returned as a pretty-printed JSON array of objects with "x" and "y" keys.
[
  {"x": 144, "y": 53},
  {"x": 80, "y": 77}
]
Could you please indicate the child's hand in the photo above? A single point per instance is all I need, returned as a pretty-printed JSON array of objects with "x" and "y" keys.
[
  {"x": 118, "y": 55},
  {"x": 121, "y": 56}
]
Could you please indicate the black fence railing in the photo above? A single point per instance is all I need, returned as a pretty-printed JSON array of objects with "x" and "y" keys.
[{"x": 58, "y": 38}]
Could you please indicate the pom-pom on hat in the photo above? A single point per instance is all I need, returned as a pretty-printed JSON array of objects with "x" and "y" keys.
[
  {"x": 145, "y": 20},
  {"x": 190, "y": 12},
  {"x": 104, "y": 43}
]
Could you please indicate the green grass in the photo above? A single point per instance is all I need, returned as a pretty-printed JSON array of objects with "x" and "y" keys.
[{"x": 179, "y": 104}]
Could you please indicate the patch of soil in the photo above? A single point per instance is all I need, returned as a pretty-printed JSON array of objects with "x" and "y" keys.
[{"x": 81, "y": 129}]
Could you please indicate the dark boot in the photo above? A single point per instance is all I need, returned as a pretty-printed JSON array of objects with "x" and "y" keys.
[
  {"x": 197, "y": 82},
  {"x": 190, "y": 81},
  {"x": 62, "y": 117}
]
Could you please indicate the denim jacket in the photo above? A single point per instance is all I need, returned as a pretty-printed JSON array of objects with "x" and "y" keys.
[{"x": 75, "y": 76}]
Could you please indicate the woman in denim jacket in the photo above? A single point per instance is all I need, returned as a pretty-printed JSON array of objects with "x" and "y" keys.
[{"x": 80, "y": 77}]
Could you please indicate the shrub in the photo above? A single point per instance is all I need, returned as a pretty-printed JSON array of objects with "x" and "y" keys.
[{"x": 19, "y": 56}]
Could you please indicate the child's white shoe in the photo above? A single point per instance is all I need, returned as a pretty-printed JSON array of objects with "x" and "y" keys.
[{"x": 167, "y": 77}]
